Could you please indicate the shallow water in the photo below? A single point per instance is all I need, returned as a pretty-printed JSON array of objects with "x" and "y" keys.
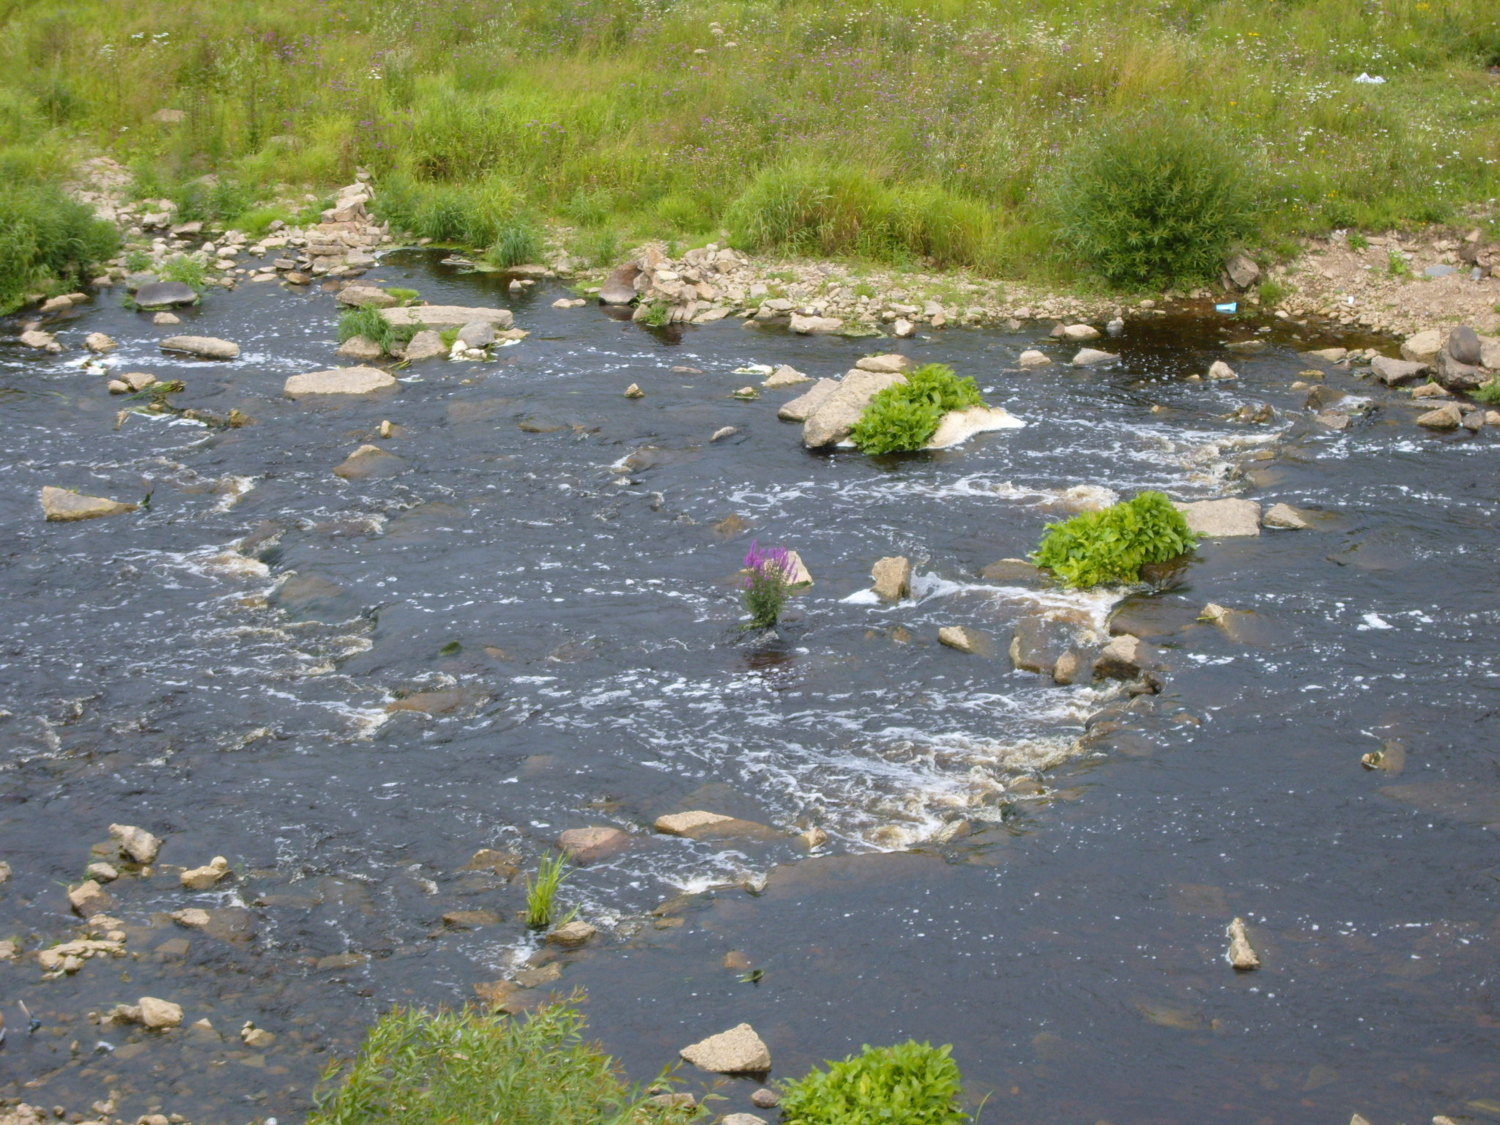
[{"x": 218, "y": 669}]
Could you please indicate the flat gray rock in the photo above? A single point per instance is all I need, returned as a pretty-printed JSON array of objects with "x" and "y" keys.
[
  {"x": 158, "y": 294},
  {"x": 800, "y": 409},
  {"x": 837, "y": 414},
  {"x": 61, "y": 506},
  {"x": 204, "y": 347},
  {"x": 1397, "y": 372},
  {"x": 447, "y": 316},
  {"x": 736, "y": 1051},
  {"x": 1222, "y": 519},
  {"x": 340, "y": 381}
]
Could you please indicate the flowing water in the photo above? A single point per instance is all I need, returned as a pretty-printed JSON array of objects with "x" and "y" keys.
[{"x": 551, "y": 573}]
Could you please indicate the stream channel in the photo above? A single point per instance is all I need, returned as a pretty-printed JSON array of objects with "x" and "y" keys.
[{"x": 556, "y": 559}]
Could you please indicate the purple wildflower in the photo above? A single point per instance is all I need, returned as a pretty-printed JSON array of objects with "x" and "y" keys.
[{"x": 770, "y": 565}]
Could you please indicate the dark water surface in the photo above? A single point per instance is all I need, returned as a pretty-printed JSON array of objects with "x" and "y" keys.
[{"x": 217, "y": 669}]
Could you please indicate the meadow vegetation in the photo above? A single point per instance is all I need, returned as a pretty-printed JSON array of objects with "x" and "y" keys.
[{"x": 1034, "y": 140}]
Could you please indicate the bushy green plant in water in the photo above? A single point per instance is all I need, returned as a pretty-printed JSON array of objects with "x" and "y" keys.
[
  {"x": 369, "y": 323},
  {"x": 767, "y": 584},
  {"x": 1155, "y": 199},
  {"x": 468, "y": 1068},
  {"x": 517, "y": 242},
  {"x": 1113, "y": 544},
  {"x": 541, "y": 892},
  {"x": 187, "y": 270},
  {"x": 909, "y": 1084},
  {"x": 905, "y": 416},
  {"x": 47, "y": 240},
  {"x": 1487, "y": 393}
]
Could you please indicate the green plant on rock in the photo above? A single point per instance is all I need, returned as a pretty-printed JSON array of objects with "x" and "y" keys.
[
  {"x": 1396, "y": 264},
  {"x": 187, "y": 270},
  {"x": 372, "y": 325},
  {"x": 657, "y": 313},
  {"x": 1155, "y": 199},
  {"x": 905, "y": 416},
  {"x": 541, "y": 892},
  {"x": 1487, "y": 393},
  {"x": 1113, "y": 544},
  {"x": 909, "y": 1084}
]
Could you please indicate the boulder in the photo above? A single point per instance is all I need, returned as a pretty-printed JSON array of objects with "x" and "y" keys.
[
  {"x": 765, "y": 1098},
  {"x": 1286, "y": 517},
  {"x": 837, "y": 414},
  {"x": 202, "y": 347},
  {"x": 163, "y": 294},
  {"x": 1241, "y": 954},
  {"x": 205, "y": 877},
  {"x": 1397, "y": 372},
  {"x": 361, "y": 348},
  {"x": 1038, "y": 643},
  {"x": 1073, "y": 667},
  {"x": 634, "y": 391},
  {"x": 1089, "y": 357},
  {"x": 99, "y": 343},
  {"x": 426, "y": 344},
  {"x": 1216, "y": 519},
  {"x": 801, "y": 408},
  {"x": 166, "y": 318},
  {"x": 1323, "y": 396},
  {"x": 963, "y": 639},
  {"x": 891, "y": 578},
  {"x": 340, "y": 381},
  {"x": 1016, "y": 572},
  {"x": 891, "y": 363},
  {"x": 1430, "y": 390},
  {"x": 447, "y": 316},
  {"x": 135, "y": 842},
  {"x": 366, "y": 296},
  {"x": 159, "y": 1014},
  {"x": 785, "y": 376},
  {"x": 1422, "y": 347},
  {"x": 1446, "y": 417},
  {"x": 41, "y": 341},
  {"x": 1032, "y": 358},
  {"x": 904, "y": 328},
  {"x": 814, "y": 325},
  {"x": 477, "y": 334},
  {"x": 619, "y": 287},
  {"x": 1456, "y": 375},
  {"x": 1125, "y": 658},
  {"x": 958, "y": 426},
  {"x": 1154, "y": 615},
  {"x": 585, "y": 845},
  {"x": 192, "y": 917},
  {"x": 700, "y": 825},
  {"x": 100, "y": 872},
  {"x": 1080, "y": 332},
  {"x": 1221, "y": 370},
  {"x": 571, "y": 935},
  {"x": 1464, "y": 346},
  {"x": 89, "y": 898},
  {"x": 61, "y": 506},
  {"x": 736, "y": 1051},
  {"x": 1240, "y": 272}
]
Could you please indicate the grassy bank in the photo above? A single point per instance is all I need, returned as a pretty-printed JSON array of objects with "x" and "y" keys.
[{"x": 904, "y": 130}]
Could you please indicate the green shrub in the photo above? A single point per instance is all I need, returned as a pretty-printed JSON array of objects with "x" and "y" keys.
[
  {"x": 405, "y": 296},
  {"x": 1113, "y": 544},
  {"x": 541, "y": 892},
  {"x": 517, "y": 242},
  {"x": 468, "y": 214},
  {"x": 906, "y": 415},
  {"x": 47, "y": 240},
  {"x": 257, "y": 221},
  {"x": 909, "y": 1084},
  {"x": 466, "y": 1068},
  {"x": 1155, "y": 199},
  {"x": 1487, "y": 393},
  {"x": 187, "y": 270},
  {"x": 369, "y": 323}
]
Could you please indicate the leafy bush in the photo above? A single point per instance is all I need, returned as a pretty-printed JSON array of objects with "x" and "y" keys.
[
  {"x": 767, "y": 584},
  {"x": 1155, "y": 199},
  {"x": 47, "y": 240},
  {"x": 909, "y": 1084},
  {"x": 517, "y": 242},
  {"x": 465, "y": 1068},
  {"x": 1112, "y": 545},
  {"x": 369, "y": 323},
  {"x": 187, "y": 270},
  {"x": 906, "y": 415}
]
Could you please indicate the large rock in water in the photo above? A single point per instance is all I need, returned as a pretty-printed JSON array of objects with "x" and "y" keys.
[
  {"x": 366, "y": 296},
  {"x": 1218, "y": 519},
  {"x": 837, "y": 414},
  {"x": 369, "y": 461},
  {"x": 160, "y": 294},
  {"x": 891, "y": 578},
  {"x": 340, "y": 381},
  {"x": 447, "y": 316},
  {"x": 814, "y": 325},
  {"x": 1397, "y": 372},
  {"x": 61, "y": 506},
  {"x": 424, "y": 345},
  {"x": 619, "y": 287},
  {"x": 800, "y": 409},
  {"x": 736, "y": 1051},
  {"x": 958, "y": 426},
  {"x": 203, "y": 347}
]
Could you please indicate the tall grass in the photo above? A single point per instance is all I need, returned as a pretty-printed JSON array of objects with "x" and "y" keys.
[
  {"x": 47, "y": 242},
  {"x": 541, "y": 892}
]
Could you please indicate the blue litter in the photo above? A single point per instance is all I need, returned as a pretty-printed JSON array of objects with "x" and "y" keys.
[{"x": 1228, "y": 307}]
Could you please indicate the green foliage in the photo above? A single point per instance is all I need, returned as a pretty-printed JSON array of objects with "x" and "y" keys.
[
  {"x": 1396, "y": 264},
  {"x": 138, "y": 261},
  {"x": 187, "y": 270},
  {"x": 909, "y": 1084},
  {"x": 369, "y": 323},
  {"x": 541, "y": 892},
  {"x": 257, "y": 221},
  {"x": 1155, "y": 199},
  {"x": 482, "y": 213},
  {"x": 1487, "y": 393},
  {"x": 405, "y": 296},
  {"x": 517, "y": 242},
  {"x": 657, "y": 313},
  {"x": 47, "y": 241},
  {"x": 1358, "y": 241},
  {"x": 1112, "y": 545},
  {"x": 449, "y": 337},
  {"x": 467, "y": 1068},
  {"x": 905, "y": 416},
  {"x": 1273, "y": 292}
]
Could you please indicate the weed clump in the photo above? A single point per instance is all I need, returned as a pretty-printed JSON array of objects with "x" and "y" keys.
[
  {"x": 47, "y": 240},
  {"x": 1487, "y": 393},
  {"x": 1155, "y": 199},
  {"x": 909, "y": 1084},
  {"x": 1113, "y": 544},
  {"x": 369, "y": 323},
  {"x": 768, "y": 575},
  {"x": 905, "y": 416},
  {"x": 189, "y": 271},
  {"x": 517, "y": 241},
  {"x": 541, "y": 892}
]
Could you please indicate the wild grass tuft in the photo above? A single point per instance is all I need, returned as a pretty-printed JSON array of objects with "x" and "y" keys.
[
  {"x": 541, "y": 892},
  {"x": 186, "y": 269},
  {"x": 1112, "y": 545},
  {"x": 47, "y": 241},
  {"x": 1487, "y": 393},
  {"x": 908, "y": 1084},
  {"x": 369, "y": 323},
  {"x": 518, "y": 241},
  {"x": 904, "y": 417}
]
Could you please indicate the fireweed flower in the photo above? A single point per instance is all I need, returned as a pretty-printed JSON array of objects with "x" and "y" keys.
[{"x": 767, "y": 580}]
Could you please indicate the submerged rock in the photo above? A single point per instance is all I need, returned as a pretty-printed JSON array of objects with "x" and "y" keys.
[
  {"x": 1125, "y": 658},
  {"x": 201, "y": 347},
  {"x": 1286, "y": 517},
  {"x": 698, "y": 825},
  {"x": 369, "y": 461},
  {"x": 963, "y": 639},
  {"x": 203, "y": 878},
  {"x": 1217, "y": 519},
  {"x": 892, "y": 363},
  {"x": 1079, "y": 332},
  {"x": 572, "y": 935},
  {"x": 815, "y": 325},
  {"x": 1241, "y": 954},
  {"x": 736, "y": 1051},
  {"x": 158, "y": 294},
  {"x": 1038, "y": 643},
  {"x": 596, "y": 842},
  {"x": 61, "y": 506},
  {"x": 891, "y": 578}
]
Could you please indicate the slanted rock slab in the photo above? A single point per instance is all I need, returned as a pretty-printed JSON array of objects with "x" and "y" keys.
[
  {"x": 366, "y": 296},
  {"x": 1218, "y": 519},
  {"x": 585, "y": 845},
  {"x": 201, "y": 347},
  {"x": 1397, "y": 372},
  {"x": 802, "y": 407},
  {"x": 785, "y": 376},
  {"x": 837, "y": 414},
  {"x": 340, "y": 381},
  {"x": 963, "y": 639},
  {"x": 700, "y": 825},
  {"x": 447, "y": 316},
  {"x": 815, "y": 325},
  {"x": 891, "y": 578},
  {"x": 958, "y": 426},
  {"x": 1286, "y": 517},
  {"x": 736, "y": 1051},
  {"x": 891, "y": 363},
  {"x": 61, "y": 506},
  {"x": 369, "y": 461},
  {"x": 1446, "y": 417}
]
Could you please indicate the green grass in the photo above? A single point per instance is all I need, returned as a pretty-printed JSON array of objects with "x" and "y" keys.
[
  {"x": 541, "y": 892},
  {"x": 1113, "y": 544},
  {"x": 908, "y": 1084},
  {"x": 48, "y": 243},
  {"x": 367, "y": 322},
  {"x": 187, "y": 270},
  {"x": 467, "y": 1068},
  {"x": 906, "y": 132},
  {"x": 1487, "y": 393},
  {"x": 905, "y": 416}
]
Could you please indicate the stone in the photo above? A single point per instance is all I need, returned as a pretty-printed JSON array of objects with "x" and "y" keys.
[
  {"x": 361, "y": 348},
  {"x": 206, "y": 877},
  {"x": 1446, "y": 417},
  {"x": 699, "y": 825},
  {"x": 117, "y": 387},
  {"x": 741, "y": 1119},
  {"x": 192, "y": 917},
  {"x": 159, "y": 294},
  {"x": 1073, "y": 667},
  {"x": 165, "y": 318},
  {"x": 1456, "y": 376},
  {"x": 1422, "y": 347},
  {"x": 572, "y": 935},
  {"x": 1323, "y": 396},
  {"x": 765, "y": 1098},
  {"x": 1242, "y": 954},
  {"x": 1031, "y": 358},
  {"x": 137, "y": 843},
  {"x": 257, "y": 1037},
  {"x": 1216, "y": 519},
  {"x": 619, "y": 287},
  {"x": 1014, "y": 572},
  {"x": 470, "y": 919},
  {"x": 1397, "y": 372},
  {"x": 1474, "y": 421},
  {"x": 837, "y": 414},
  {"x": 99, "y": 343},
  {"x": 447, "y": 316},
  {"x": 201, "y": 347},
  {"x": 785, "y": 376},
  {"x": 1241, "y": 272},
  {"x": 801, "y": 408},
  {"x": 891, "y": 578},
  {"x": 101, "y": 872},
  {"x": 340, "y": 381},
  {"x": 477, "y": 334},
  {"x": 138, "y": 380},
  {"x": 1431, "y": 390},
  {"x": 1328, "y": 355},
  {"x": 61, "y": 506},
  {"x": 426, "y": 344},
  {"x": 366, "y": 296},
  {"x": 585, "y": 845},
  {"x": 55, "y": 305},
  {"x": 1464, "y": 346},
  {"x": 813, "y": 838},
  {"x": 736, "y": 1051},
  {"x": 1286, "y": 517},
  {"x": 904, "y": 328},
  {"x": 958, "y": 426},
  {"x": 892, "y": 363},
  {"x": 1221, "y": 370},
  {"x": 814, "y": 325},
  {"x": 723, "y": 432},
  {"x": 1080, "y": 332},
  {"x": 685, "y": 823},
  {"x": 1038, "y": 642},
  {"x": 41, "y": 341},
  {"x": 1089, "y": 357},
  {"x": 634, "y": 391},
  {"x": 1125, "y": 658},
  {"x": 159, "y": 1014},
  {"x": 963, "y": 639},
  {"x": 89, "y": 898}
]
